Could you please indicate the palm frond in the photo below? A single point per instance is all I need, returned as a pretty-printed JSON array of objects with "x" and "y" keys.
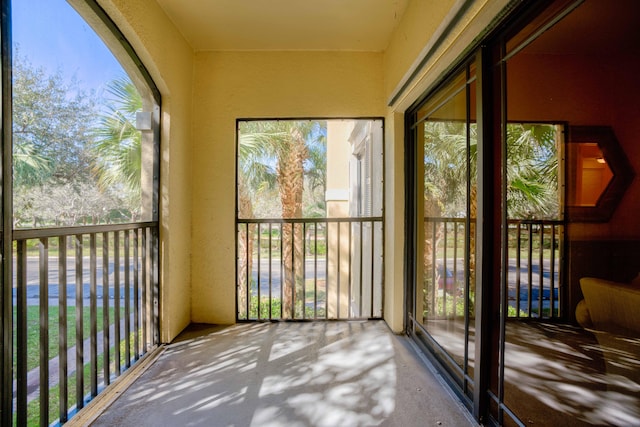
[
  {"x": 116, "y": 145},
  {"x": 29, "y": 167}
]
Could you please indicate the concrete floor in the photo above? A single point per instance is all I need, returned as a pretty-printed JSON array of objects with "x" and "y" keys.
[{"x": 288, "y": 374}]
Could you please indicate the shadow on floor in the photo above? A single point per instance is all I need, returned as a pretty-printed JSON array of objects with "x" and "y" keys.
[
  {"x": 559, "y": 375},
  {"x": 564, "y": 375},
  {"x": 288, "y": 374}
]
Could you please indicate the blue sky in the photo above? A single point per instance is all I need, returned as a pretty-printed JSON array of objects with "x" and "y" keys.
[{"x": 51, "y": 34}]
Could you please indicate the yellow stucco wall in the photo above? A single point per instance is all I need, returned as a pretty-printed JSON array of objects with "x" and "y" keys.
[
  {"x": 417, "y": 26},
  {"x": 394, "y": 235},
  {"x": 232, "y": 85},
  {"x": 169, "y": 59},
  {"x": 338, "y": 154}
]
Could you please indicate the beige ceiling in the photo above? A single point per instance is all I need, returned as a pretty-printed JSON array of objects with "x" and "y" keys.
[{"x": 355, "y": 25}]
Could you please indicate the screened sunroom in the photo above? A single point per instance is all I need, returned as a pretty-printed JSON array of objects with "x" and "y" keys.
[{"x": 350, "y": 213}]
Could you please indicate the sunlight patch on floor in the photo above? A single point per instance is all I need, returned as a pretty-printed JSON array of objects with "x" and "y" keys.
[{"x": 353, "y": 381}]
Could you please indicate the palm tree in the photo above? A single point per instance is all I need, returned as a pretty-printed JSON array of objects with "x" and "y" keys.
[
  {"x": 276, "y": 154},
  {"x": 254, "y": 175},
  {"x": 116, "y": 148}
]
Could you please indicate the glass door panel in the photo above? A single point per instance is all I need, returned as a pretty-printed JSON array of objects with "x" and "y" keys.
[{"x": 444, "y": 292}]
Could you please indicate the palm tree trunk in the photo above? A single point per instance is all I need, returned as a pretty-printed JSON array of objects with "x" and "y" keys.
[
  {"x": 292, "y": 253},
  {"x": 473, "y": 202},
  {"x": 291, "y": 186},
  {"x": 245, "y": 252},
  {"x": 432, "y": 238}
]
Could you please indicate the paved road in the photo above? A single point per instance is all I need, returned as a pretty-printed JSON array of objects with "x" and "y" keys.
[
  {"x": 310, "y": 271},
  {"x": 33, "y": 279}
]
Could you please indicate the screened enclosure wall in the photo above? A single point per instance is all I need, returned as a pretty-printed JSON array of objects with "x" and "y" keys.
[
  {"x": 80, "y": 209},
  {"x": 310, "y": 219}
]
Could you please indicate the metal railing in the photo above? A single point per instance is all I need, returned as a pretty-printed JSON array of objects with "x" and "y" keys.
[
  {"x": 309, "y": 269},
  {"x": 533, "y": 268},
  {"x": 85, "y": 309}
]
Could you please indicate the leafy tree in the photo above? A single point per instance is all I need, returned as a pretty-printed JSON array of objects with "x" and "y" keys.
[
  {"x": 67, "y": 205},
  {"x": 55, "y": 162},
  {"x": 51, "y": 122}
]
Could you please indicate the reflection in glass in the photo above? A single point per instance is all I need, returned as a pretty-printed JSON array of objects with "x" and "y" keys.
[
  {"x": 592, "y": 173},
  {"x": 598, "y": 173},
  {"x": 546, "y": 369},
  {"x": 532, "y": 170},
  {"x": 445, "y": 292}
]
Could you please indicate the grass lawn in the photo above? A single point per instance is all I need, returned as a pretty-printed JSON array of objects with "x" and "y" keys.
[
  {"x": 33, "y": 330},
  {"x": 33, "y": 407}
]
